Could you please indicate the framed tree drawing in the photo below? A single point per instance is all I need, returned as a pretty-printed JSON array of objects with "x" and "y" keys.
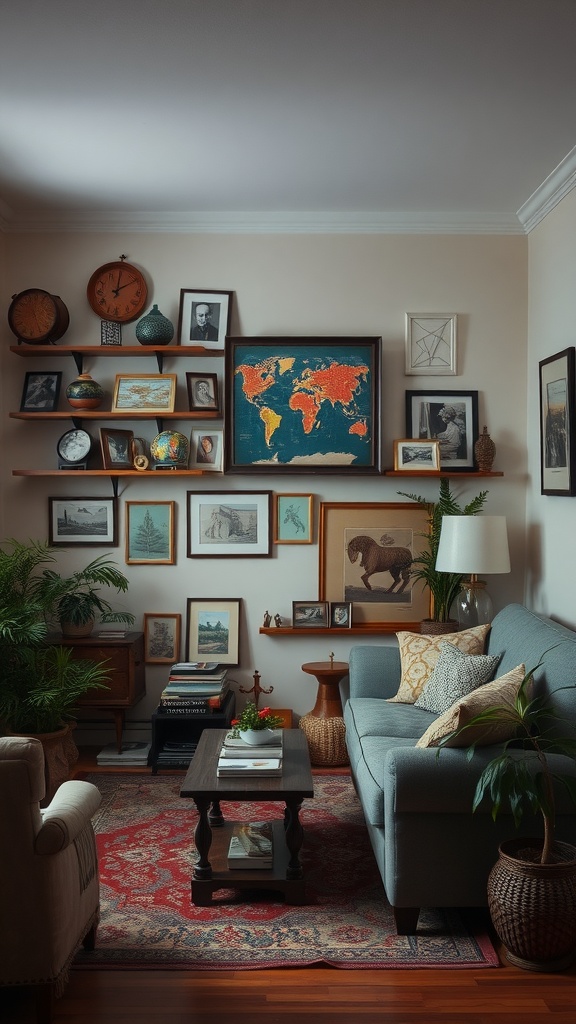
[{"x": 150, "y": 532}]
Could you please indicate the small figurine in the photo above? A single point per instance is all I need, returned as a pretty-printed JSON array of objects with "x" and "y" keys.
[
  {"x": 331, "y": 659},
  {"x": 277, "y": 620},
  {"x": 267, "y": 619}
]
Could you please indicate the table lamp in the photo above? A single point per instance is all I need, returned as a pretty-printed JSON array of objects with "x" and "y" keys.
[{"x": 472, "y": 545}]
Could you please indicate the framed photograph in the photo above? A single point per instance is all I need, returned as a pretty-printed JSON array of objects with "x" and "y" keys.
[
  {"x": 144, "y": 392},
  {"x": 451, "y": 418},
  {"x": 202, "y": 392},
  {"x": 161, "y": 638},
  {"x": 117, "y": 448},
  {"x": 294, "y": 518},
  {"x": 206, "y": 450},
  {"x": 431, "y": 344},
  {"x": 310, "y": 614},
  {"x": 41, "y": 392},
  {"x": 557, "y": 443},
  {"x": 340, "y": 614},
  {"x": 225, "y": 524},
  {"x": 204, "y": 317},
  {"x": 150, "y": 532},
  {"x": 366, "y": 556},
  {"x": 413, "y": 455},
  {"x": 213, "y": 630},
  {"x": 303, "y": 405},
  {"x": 83, "y": 522}
]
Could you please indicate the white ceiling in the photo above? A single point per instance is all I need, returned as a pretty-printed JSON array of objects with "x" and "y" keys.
[{"x": 325, "y": 114}]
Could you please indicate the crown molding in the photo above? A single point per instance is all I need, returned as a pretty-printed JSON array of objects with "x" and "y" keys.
[
  {"x": 253, "y": 223},
  {"x": 551, "y": 192}
]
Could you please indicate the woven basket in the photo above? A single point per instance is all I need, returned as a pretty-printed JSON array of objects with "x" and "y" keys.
[
  {"x": 326, "y": 740},
  {"x": 432, "y": 628},
  {"x": 533, "y": 905}
]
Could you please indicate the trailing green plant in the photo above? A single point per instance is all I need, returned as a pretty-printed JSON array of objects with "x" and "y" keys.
[
  {"x": 444, "y": 587},
  {"x": 521, "y": 776},
  {"x": 77, "y": 598}
]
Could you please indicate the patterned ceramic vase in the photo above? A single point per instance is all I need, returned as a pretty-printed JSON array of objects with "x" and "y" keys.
[
  {"x": 154, "y": 328},
  {"x": 84, "y": 393},
  {"x": 484, "y": 450},
  {"x": 169, "y": 448}
]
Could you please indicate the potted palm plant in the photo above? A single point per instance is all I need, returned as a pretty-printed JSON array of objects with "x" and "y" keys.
[
  {"x": 77, "y": 599},
  {"x": 532, "y": 886},
  {"x": 443, "y": 586}
]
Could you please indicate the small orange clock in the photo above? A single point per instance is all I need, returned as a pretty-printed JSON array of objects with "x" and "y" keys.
[
  {"x": 118, "y": 292},
  {"x": 37, "y": 317}
]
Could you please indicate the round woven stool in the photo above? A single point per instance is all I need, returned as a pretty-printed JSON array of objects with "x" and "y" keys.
[{"x": 324, "y": 726}]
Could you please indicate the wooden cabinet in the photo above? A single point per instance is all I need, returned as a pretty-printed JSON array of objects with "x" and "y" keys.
[{"x": 127, "y": 685}]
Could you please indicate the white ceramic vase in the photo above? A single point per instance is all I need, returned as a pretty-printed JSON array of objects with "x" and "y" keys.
[{"x": 257, "y": 737}]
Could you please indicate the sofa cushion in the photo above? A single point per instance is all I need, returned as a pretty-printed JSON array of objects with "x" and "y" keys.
[
  {"x": 500, "y": 691},
  {"x": 419, "y": 654},
  {"x": 456, "y": 674}
]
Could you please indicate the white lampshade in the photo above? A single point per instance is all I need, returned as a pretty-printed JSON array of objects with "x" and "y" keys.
[{"x": 473, "y": 544}]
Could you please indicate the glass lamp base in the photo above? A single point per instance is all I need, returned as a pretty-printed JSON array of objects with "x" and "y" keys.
[{"x": 473, "y": 606}]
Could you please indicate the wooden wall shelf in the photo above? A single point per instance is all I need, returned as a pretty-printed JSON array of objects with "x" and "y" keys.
[
  {"x": 443, "y": 473},
  {"x": 366, "y": 629},
  {"x": 99, "y": 414},
  {"x": 78, "y": 352}
]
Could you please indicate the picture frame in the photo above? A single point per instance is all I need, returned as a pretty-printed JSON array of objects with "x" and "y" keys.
[
  {"x": 213, "y": 630},
  {"x": 41, "y": 391},
  {"x": 310, "y": 615},
  {"x": 431, "y": 344},
  {"x": 203, "y": 392},
  {"x": 293, "y": 518},
  {"x": 229, "y": 524},
  {"x": 413, "y": 455},
  {"x": 117, "y": 448},
  {"x": 144, "y": 392},
  {"x": 150, "y": 532},
  {"x": 451, "y": 417},
  {"x": 206, "y": 450},
  {"x": 303, "y": 405},
  {"x": 83, "y": 522},
  {"x": 162, "y": 637},
  {"x": 353, "y": 568},
  {"x": 200, "y": 327},
  {"x": 557, "y": 440},
  {"x": 340, "y": 615}
]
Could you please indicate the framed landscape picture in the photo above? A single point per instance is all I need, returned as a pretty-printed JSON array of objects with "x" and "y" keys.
[
  {"x": 144, "y": 392},
  {"x": 83, "y": 522},
  {"x": 415, "y": 455},
  {"x": 224, "y": 524},
  {"x": 557, "y": 447},
  {"x": 161, "y": 638},
  {"x": 150, "y": 532},
  {"x": 451, "y": 418},
  {"x": 213, "y": 630},
  {"x": 303, "y": 405}
]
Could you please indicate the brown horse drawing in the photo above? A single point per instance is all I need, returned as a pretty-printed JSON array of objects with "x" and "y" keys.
[{"x": 375, "y": 558}]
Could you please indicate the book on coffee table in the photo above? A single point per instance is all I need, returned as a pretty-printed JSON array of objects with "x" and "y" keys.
[
  {"x": 263, "y": 766},
  {"x": 237, "y": 747},
  {"x": 251, "y": 846}
]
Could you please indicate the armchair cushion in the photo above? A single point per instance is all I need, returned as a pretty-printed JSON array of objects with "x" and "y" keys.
[
  {"x": 456, "y": 674},
  {"x": 420, "y": 652},
  {"x": 63, "y": 820},
  {"x": 499, "y": 691}
]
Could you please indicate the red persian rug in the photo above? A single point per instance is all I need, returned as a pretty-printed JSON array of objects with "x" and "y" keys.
[{"x": 146, "y": 853}]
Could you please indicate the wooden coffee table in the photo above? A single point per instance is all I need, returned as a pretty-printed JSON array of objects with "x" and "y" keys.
[{"x": 212, "y": 833}]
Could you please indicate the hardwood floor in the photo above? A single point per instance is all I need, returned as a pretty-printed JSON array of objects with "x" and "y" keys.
[{"x": 504, "y": 995}]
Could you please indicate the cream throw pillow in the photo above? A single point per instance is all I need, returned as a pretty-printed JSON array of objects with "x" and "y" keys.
[
  {"x": 499, "y": 691},
  {"x": 419, "y": 654}
]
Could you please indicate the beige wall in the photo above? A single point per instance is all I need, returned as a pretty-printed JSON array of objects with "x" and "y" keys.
[
  {"x": 551, "y": 548},
  {"x": 285, "y": 285}
]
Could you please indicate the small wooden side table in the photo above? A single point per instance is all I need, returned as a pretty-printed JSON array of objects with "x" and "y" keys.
[{"x": 324, "y": 726}]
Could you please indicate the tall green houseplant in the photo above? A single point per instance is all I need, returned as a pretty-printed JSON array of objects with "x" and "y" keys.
[{"x": 443, "y": 586}]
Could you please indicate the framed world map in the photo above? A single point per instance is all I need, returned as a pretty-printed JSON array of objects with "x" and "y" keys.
[{"x": 303, "y": 405}]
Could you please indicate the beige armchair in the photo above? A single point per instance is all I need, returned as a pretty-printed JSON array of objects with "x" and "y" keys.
[{"x": 49, "y": 900}]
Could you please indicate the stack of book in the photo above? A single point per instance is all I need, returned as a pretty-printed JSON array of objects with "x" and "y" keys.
[
  {"x": 251, "y": 846},
  {"x": 194, "y": 687},
  {"x": 240, "y": 759},
  {"x": 132, "y": 754}
]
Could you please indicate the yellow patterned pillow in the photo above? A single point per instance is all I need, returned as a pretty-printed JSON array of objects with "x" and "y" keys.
[
  {"x": 419, "y": 654},
  {"x": 500, "y": 691}
]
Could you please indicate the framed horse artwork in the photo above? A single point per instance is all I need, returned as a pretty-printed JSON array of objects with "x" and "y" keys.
[{"x": 367, "y": 550}]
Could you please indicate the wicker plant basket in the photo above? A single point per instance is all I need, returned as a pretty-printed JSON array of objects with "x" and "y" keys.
[
  {"x": 533, "y": 905},
  {"x": 431, "y": 627}
]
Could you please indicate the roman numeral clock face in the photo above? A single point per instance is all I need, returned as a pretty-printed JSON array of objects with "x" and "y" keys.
[{"x": 118, "y": 292}]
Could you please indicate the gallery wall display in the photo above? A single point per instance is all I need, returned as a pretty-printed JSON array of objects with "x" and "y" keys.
[
  {"x": 557, "y": 443},
  {"x": 303, "y": 405}
]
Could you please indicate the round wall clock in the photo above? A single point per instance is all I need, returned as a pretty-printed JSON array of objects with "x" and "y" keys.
[
  {"x": 74, "y": 446},
  {"x": 117, "y": 292},
  {"x": 37, "y": 317}
]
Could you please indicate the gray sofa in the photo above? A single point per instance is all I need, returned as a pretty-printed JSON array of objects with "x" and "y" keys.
[{"x": 431, "y": 850}]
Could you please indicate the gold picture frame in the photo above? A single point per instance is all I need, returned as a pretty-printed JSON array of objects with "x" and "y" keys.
[{"x": 144, "y": 392}]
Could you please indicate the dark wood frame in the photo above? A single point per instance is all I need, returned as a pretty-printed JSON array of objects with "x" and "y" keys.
[
  {"x": 228, "y": 549},
  {"x": 321, "y": 606},
  {"x": 186, "y": 309},
  {"x": 53, "y": 404},
  {"x": 559, "y": 480},
  {"x": 106, "y": 435},
  {"x": 414, "y": 402},
  {"x": 192, "y": 377},
  {"x": 56, "y": 539},
  {"x": 334, "y": 606},
  {"x": 242, "y": 423}
]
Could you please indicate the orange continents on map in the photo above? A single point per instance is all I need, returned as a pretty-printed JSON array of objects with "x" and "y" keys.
[
  {"x": 335, "y": 384},
  {"x": 257, "y": 379}
]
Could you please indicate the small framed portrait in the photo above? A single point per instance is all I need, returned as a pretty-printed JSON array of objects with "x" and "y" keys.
[
  {"x": 413, "y": 455},
  {"x": 117, "y": 448},
  {"x": 340, "y": 614},
  {"x": 294, "y": 519},
  {"x": 206, "y": 450},
  {"x": 451, "y": 418},
  {"x": 150, "y": 532},
  {"x": 213, "y": 630},
  {"x": 431, "y": 344},
  {"x": 557, "y": 447},
  {"x": 310, "y": 614},
  {"x": 41, "y": 392},
  {"x": 83, "y": 522},
  {"x": 204, "y": 317},
  {"x": 202, "y": 392},
  {"x": 161, "y": 638},
  {"x": 144, "y": 392}
]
